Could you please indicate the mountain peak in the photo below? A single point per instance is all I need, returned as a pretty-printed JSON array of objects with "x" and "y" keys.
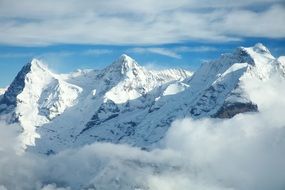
[
  {"x": 123, "y": 65},
  {"x": 126, "y": 62},
  {"x": 251, "y": 55},
  {"x": 33, "y": 69},
  {"x": 125, "y": 58},
  {"x": 36, "y": 64},
  {"x": 260, "y": 48}
]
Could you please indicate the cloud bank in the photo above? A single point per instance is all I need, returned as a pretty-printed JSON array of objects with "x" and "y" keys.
[
  {"x": 243, "y": 153},
  {"x": 33, "y": 23}
]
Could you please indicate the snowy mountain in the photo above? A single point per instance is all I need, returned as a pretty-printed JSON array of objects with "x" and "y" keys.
[
  {"x": 35, "y": 97},
  {"x": 126, "y": 103}
]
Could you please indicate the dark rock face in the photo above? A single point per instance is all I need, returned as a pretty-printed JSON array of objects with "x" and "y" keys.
[
  {"x": 230, "y": 110},
  {"x": 16, "y": 87},
  {"x": 102, "y": 115},
  {"x": 244, "y": 57},
  {"x": 9, "y": 99},
  {"x": 207, "y": 102}
]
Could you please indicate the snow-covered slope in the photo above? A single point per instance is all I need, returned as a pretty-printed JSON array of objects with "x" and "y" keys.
[
  {"x": 126, "y": 103},
  {"x": 116, "y": 95}
]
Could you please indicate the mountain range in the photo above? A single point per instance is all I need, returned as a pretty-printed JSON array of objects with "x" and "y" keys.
[{"x": 127, "y": 103}]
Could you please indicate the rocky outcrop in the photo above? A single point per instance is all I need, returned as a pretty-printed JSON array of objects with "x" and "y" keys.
[{"x": 230, "y": 110}]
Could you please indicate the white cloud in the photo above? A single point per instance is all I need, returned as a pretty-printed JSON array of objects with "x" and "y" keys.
[
  {"x": 245, "y": 152},
  {"x": 32, "y": 23},
  {"x": 254, "y": 24}
]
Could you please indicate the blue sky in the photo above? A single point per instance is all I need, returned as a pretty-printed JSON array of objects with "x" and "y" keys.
[{"x": 71, "y": 34}]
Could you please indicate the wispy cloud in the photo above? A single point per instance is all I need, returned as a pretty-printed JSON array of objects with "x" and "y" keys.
[
  {"x": 88, "y": 52},
  {"x": 97, "y": 52},
  {"x": 137, "y": 22},
  {"x": 195, "y": 49},
  {"x": 159, "y": 51},
  {"x": 174, "y": 52},
  {"x": 15, "y": 55}
]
